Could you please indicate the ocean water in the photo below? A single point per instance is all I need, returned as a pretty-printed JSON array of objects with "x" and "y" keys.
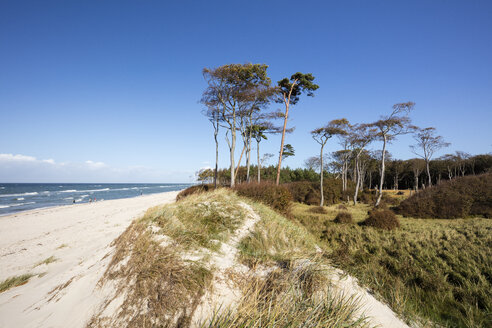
[{"x": 16, "y": 197}]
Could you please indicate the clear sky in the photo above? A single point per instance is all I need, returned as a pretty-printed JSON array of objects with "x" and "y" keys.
[{"x": 108, "y": 91}]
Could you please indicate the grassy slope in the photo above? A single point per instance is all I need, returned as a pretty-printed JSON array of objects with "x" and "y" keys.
[
  {"x": 161, "y": 268},
  {"x": 439, "y": 270}
]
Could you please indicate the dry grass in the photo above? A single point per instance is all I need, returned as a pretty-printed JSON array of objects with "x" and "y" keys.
[
  {"x": 295, "y": 296},
  {"x": 14, "y": 282},
  {"x": 276, "y": 240},
  {"x": 296, "y": 290},
  {"x": 160, "y": 286},
  {"x": 429, "y": 271}
]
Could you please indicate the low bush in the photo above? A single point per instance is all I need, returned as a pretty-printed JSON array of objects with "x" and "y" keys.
[
  {"x": 343, "y": 217},
  {"x": 342, "y": 207},
  {"x": 277, "y": 197},
  {"x": 193, "y": 190},
  {"x": 382, "y": 219},
  {"x": 369, "y": 197},
  {"x": 318, "y": 210},
  {"x": 309, "y": 192},
  {"x": 461, "y": 197}
]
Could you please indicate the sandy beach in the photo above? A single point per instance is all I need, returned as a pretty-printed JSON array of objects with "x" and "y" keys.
[{"x": 76, "y": 240}]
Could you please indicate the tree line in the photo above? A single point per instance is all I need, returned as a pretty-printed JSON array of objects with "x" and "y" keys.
[{"x": 237, "y": 100}]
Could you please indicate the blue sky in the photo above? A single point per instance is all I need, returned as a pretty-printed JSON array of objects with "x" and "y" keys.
[{"x": 107, "y": 91}]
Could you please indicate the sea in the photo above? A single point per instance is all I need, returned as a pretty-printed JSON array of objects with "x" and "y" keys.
[{"x": 17, "y": 197}]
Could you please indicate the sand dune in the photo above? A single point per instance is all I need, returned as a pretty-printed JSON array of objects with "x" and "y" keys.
[{"x": 77, "y": 240}]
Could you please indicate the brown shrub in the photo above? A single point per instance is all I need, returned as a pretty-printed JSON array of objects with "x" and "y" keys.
[
  {"x": 318, "y": 210},
  {"x": 461, "y": 197},
  {"x": 309, "y": 192},
  {"x": 277, "y": 197},
  {"x": 382, "y": 219},
  {"x": 343, "y": 217},
  {"x": 342, "y": 207},
  {"x": 193, "y": 190}
]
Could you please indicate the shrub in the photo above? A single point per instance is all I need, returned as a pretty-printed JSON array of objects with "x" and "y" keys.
[
  {"x": 193, "y": 190},
  {"x": 461, "y": 197},
  {"x": 343, "y": 217},
  {"x": 277, "y": 197},
  {"x": 303, "y": 192},
  {"x": 382, "y": 219},
  {"x": 342, "y": 207},
  {"x": 309, "y": 192},
  {"x": 318, "y": 210}
]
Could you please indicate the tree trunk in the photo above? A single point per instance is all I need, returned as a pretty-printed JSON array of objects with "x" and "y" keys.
[
  {"x": 428, "y": 173},
  {"x": 357, "y": 178},
  {"x": 321, "y": 176},
  {"x": 216, "y": 159},
  {"x": 381, "y": 182},
  {"x": 239, "y": 162},
  {"x": 233, "y": 166},
  {"x": 282, "y": 143},
  {"x": 259, "y": 164}
]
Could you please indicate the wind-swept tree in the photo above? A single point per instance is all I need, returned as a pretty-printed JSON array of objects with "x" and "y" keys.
[
  {"x": 288, "y": 151},
  {"x": 321, "y": 136},
  {"x": 389, "y": 127},
  {"x": 427, "y": 144},
  {"x": 231, "y": 87},
  {"x": 289, "y": 93}
]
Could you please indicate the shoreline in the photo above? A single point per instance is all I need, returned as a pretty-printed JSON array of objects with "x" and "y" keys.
[
  {"x": 2, "y": 216},
  {"x": 66, "y": 249}
]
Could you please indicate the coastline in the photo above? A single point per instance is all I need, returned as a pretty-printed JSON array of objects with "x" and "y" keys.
[{"x": 66, "y": 248}]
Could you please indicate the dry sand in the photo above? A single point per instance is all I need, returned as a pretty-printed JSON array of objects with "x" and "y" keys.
[{"x": 63, "y": 293}]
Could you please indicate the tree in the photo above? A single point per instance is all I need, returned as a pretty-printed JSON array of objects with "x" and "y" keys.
[
  {"x": 321, "y": 136},
  {"x": 288, "y": 151},
  {"x": 417, "y": 165},
  {"x": 428, "y": 143},
  {"x": 258, "y": 132},
  {"x": 289, "y": 93},
  {"x": 213, "y": 115},
  {"x": 231, "y": 88},
  {"x": 204, "y": 175},
  {"x": 389, "y": 128},
  {"x": 360, "y": 136}
]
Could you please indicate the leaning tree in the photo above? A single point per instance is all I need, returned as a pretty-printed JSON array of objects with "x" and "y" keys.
[
  {"x": 427, "y": 144},
  {"x": 389, "y": 127},
  {"x": 289, "y": 93}
]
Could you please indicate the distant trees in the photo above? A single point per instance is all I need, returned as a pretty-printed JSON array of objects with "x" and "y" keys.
[
  {"x": 389, "y": 127},
  {"x": 360, "y": 136},
  {"x": 289, "y": 93},
  {"x": 321, "y": 136},
  {"x": 427, "y": 144}
]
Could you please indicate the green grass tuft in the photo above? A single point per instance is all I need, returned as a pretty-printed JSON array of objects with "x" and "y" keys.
[{"x": 14, "y": 282}]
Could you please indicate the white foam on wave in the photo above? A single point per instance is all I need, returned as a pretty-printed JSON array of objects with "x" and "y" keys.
[
  {"x": 2, "y": 187},
  {"x": 68, "y": 198},
  {"x": 20, "y": 198},
  {"x": 24, "y": 194},
  {"x": 14, "y": 205},
  {"x": 89, "y": 190}
]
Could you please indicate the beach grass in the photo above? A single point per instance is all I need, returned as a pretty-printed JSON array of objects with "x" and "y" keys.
[
  {"x": 14, "y": 282},
  {"x": 46, "y": 261}
]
